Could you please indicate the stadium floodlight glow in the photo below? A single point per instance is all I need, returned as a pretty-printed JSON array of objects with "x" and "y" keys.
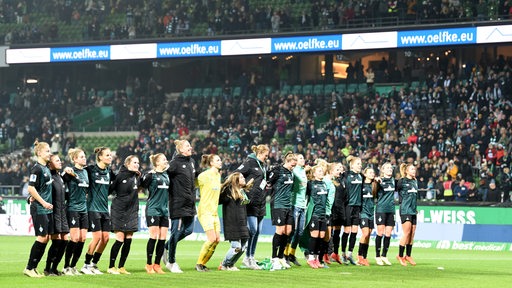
[{"x": 31, "y": 81}]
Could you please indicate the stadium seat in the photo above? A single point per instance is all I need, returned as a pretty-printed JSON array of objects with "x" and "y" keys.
[
  {"x": 328, "y": 88},
  {"x": 197, "y": 92},
  {"x": 297, "y": 89},
  {"x": 217, "y": 92},
  {"x": 187, "y": 92},
  {"x": 286, "y": 89},
  {"x": 341, "y": 88},
  {"x": 318, "y": 89},
  {"x": 307, "y": 89},
  {"x": 237, "y": 91},
  {"x": 207, "y": 92}
]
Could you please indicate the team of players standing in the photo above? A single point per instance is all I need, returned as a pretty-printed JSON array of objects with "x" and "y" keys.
[{"x": 309, "y": 208}]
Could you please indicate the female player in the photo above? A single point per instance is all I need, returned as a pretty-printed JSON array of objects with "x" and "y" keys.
[
  {"x": 182, "y": 197},
  {"x": 234, "y": 199},
  {"x": 354, "y": 186},
  {"x": 254, "y": 168},
  {"x": 100, "y": 177},
  {"x": 338, "y": 217},
  {"x": 40, "y": 189},
  {"x": 124, "y": 211},
  {"x": 317, "y": 224},
  {"x": 300, "y": 182},
  {"x": 407, "y": 188},
  {"x": 281, "y": 179},
  {"x": 331, "y": 182},
  {"x": 367, "y": 214},
  {"x": 385, "y": 213},
  {"x": 78, "y": 221},
  {"x": 209, "y": 189},
  {"x": 157, "y": 211},
  {"x": 61, "y": 228}
]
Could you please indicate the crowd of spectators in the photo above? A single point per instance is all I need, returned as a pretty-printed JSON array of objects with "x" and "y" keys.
[
  {"x": 130, "y": 19},
  {"x": 456, "y": 129}
]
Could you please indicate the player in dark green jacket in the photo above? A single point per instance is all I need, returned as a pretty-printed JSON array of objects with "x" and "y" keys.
[
  {"x": 281, "y": 179},
  {"x": 316, "y": 215},
  {"x": 100, "y": 177},
  {"x": 40, "y": 189},
  {"x": 385, "y": 213},
  {"x": 407, "y": 188},
  {"x": 367, "y": 214},
  {"x": 157, "y": 211},
  {"x": 354, "y": 188},
  {"x": 78, "y": 220}
]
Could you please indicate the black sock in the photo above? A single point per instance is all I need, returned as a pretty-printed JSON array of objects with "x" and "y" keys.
[
  {"x": 408, "y": 249},
  {"x": 360, "y": 251},
  {"x": 160, "y": 246},
  {"x": 378, "y": 244},
  {"x": 344, "y": 241},
  {"x": 401, "y": 250},
  {"x": 352, "y": 241},
  {"x": 60, "y": 253},
  {"x": 312, "y": 245},
  {"x": 79, "y": 247},
  {"x": 88, "y": 258},
  {"x": 387, "y": 240},
  {"x": 36, "y": 253},
  {"x": 324, "y": 245},
  {"x": 336, "y": 241},
  {"x": 275, "y": 244},
  {"x": 125, "y": 251},
  {"x": 96, "y": 257},
  {"x": 70, "y": 248},
  {"x": 282, "y": 245},
  {"x": 150, "y": 248},
  {"x": 365, "y": 250},
  {"x": 52, "y": 252},
  {"x": 113, "y": 253}
]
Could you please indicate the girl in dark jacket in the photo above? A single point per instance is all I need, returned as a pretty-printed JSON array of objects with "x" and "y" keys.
[
  {"x": 124, "y": 211},
  {"x": 234, "y": 201},
  {"x": 254, "y": 169}
]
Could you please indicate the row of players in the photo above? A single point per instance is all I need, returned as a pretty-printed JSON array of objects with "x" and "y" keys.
[{"x": 69, "y": 202}]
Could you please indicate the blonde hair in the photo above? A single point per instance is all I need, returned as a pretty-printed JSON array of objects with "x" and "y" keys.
[
  {"x": 39, "y": 146},
  {"x": 99, "y": 152},
  {"x": 258, "y": 149},
  {"x": 382, "y": 168},
  {"x": 73, "y": 153},
  {"x": 403, "y": 169},
  {"x": 323, "y": 163},
  {"x": 153, "y": 158},
  {"x": 179, "y": 144},
  {"x": 375, "y": 186},
  {"x": 351, "y": 159},
  {"x": 310, "y": 171},
  {"x": 129, "y": 159},
  {"x": 290, "y": 156},
  {"x": 206, "y": 159},
  {"x": 232, "y": 183}
]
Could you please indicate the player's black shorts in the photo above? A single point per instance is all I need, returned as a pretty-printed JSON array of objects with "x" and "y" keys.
[
  {"x": 160, "y": 221},
  {"x": 317, "y": 223},
  {"x": 408, "y": 218},
  {"x": 365, "y": 222},
  {"x": 43, "y": 224},
  {"x": 386, "y": 219},
  {"x": 338, "y": 217},
  {"x": 78, "y": 220},
  {"x": 99, "y": 221},
  {"x": 353, "y": 214},
  {"x": 282, "y": 216}
]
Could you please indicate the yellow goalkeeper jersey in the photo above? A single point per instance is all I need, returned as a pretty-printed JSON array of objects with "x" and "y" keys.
[{"x": 209, "y": 189}]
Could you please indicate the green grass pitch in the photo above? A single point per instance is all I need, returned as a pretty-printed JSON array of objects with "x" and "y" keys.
[{"x": 436, "y": 268}]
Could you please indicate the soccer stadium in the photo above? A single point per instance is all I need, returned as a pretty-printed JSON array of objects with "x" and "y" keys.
[{"x": 422, "y": 84}]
